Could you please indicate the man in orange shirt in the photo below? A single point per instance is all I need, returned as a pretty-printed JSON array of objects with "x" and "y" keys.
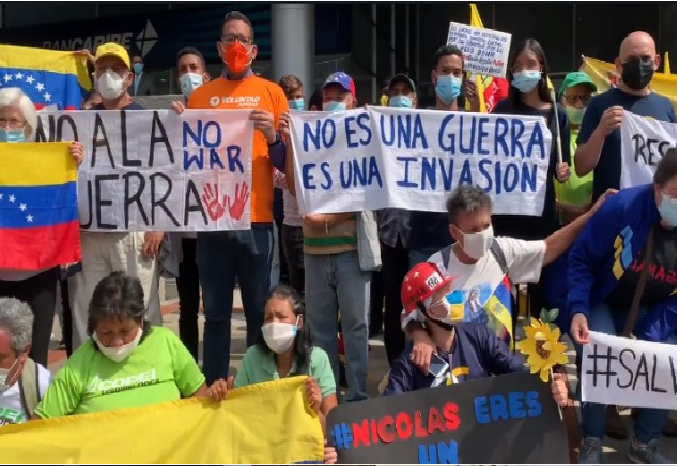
[{"x": 224, "y": 255}]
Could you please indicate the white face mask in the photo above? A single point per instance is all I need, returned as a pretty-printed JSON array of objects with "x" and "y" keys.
[
  {"x": 110, "y": 85},
  {"x": 279, "y": 336},
  {"x": 4, "y": 376},
  {"x": 476, "y": 245},
  {"x": 190, "y": 82},
  {"x": 119, "y": 353}
]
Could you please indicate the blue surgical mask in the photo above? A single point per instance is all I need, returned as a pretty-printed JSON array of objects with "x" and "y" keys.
[
  {"x": 575, "y": 115},
  {"x": 334, "y": 106},
  {"x": 525, "y": 81},
  {"x": 190, "y": 82},
  {"x": 668, "y": 210},
  {"x": 297, "y": 104},
  {"x": 401, "y": 101},
  {"x": 448, "y": 87},
  {"x": 12, "y": 135},
  {"x": 138, "y": 68}
]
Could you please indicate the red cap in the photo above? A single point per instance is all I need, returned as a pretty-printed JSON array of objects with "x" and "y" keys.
[{"x": 420, "y": 283}]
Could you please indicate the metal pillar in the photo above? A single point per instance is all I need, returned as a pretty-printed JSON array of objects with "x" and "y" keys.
[
  {"x": 375, "y": 91},
  {"x": 293, "y": 42}
]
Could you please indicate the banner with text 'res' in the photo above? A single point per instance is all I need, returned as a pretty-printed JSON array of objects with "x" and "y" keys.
[
  {"x": 155, "y": 170},
  {"x": 507, "y": 419},
  {"x": 644, "y": 142},
  {"x": 268, "y": 423},
  {"x": 412, "y": 159},
  {"x": 624, "y": 372}
]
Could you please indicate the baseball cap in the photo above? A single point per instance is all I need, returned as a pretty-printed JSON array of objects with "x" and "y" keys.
[
  {"x": 402, "y": 78},
  {"x": 342, "y": 79},
  {"x": 577, "y": 78},
  {"x": 420, "y": 283},
  {"x": 116, "y": 50}
]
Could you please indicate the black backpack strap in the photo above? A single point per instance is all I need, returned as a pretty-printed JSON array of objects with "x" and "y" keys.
[
  {"x": 446, "y": 256},
  {"x": 497, "y": 252},
  {"x": 38, "y": 395},
  {"x": 22, "y": 398}
]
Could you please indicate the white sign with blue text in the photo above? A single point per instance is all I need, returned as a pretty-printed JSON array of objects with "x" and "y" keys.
[
  {"x": 155, "y": 170},
  {"x": 385, "y": 157}
]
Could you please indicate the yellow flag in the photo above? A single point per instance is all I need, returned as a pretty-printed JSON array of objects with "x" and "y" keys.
[
  {"x": 269, "y": 423},
  {"x": 666, "y": 64},
  {"x": 476, "y": 22}
]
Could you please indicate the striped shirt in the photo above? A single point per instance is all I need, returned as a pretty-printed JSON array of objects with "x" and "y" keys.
[{"x": 340, "y": 238}]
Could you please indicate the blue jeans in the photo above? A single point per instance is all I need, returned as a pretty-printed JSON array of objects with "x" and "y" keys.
[
  {"x": 334, "y": 282},
  {"x": 222, "y": 256},
  {"x": 416, "y": 256},
  {"x": 649, "y": 422}
]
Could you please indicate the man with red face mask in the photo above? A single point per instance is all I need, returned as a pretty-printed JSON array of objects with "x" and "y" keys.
[{"x": 246, "y": 255}]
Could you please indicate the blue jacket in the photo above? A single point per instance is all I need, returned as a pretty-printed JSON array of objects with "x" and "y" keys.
[{"x": 606, "y": 247}]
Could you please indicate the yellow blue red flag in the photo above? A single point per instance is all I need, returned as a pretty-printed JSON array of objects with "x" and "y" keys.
[{"x": 47, "y": 77}]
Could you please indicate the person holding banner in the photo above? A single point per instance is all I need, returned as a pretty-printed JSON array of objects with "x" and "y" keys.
[
  {"x": 621, "y": 282},
  {"x": 465, "y": 350},
  {"x": 429, "y": 229},
  {"x": 18, "y": 123}
]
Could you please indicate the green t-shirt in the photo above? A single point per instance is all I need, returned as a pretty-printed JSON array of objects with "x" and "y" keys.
[
  {"x": 259, "y": 366},
  {"x": 160, "y": 369},
  {"x": 577, "y": 191}
]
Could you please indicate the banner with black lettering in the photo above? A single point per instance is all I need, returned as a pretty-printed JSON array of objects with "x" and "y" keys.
[
  {"x": 624, "y": 372},
  {"x": 412, "y": 159},
  {"x": 154, "y": 170},
  {"x": 644, "y": 142}
]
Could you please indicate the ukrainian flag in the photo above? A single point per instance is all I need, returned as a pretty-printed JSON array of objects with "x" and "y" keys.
[
  {"x": 39, "y": 225},
  {"x": 47, "y": 77}
]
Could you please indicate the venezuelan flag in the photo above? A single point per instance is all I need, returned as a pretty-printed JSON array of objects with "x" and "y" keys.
[
  {"x": 39, "y": 225},
  {"x": 47, "y": 77}
]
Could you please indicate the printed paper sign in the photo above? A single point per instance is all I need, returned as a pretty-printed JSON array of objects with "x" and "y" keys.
[
  {"x": 412, "y": 159},
  {"x": 154, "y": 170},
  {"x": 624, "y": 372},
  {"x": 485, "y": 51},
  {"x": 480, "y": 421},
  {"x": 644, "y": 142}
]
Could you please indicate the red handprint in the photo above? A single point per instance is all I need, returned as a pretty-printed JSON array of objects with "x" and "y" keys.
[
  {"x": 211, "y": 200},
  {"x": 239, "y": 201}
]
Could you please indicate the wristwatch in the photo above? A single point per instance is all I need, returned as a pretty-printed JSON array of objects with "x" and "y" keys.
[{"x": 277, "y": 140}]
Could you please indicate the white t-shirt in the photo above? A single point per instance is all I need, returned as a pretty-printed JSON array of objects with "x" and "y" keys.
[
  {"x": 11, "y": 411},
  {"x": 480, "y": 281},
  {"x": 290, "y": 206}
]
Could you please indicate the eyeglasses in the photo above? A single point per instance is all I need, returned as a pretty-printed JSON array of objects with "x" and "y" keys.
[
  {"x": 572, "y": 99},
  {"x": 229, "y": 39}
]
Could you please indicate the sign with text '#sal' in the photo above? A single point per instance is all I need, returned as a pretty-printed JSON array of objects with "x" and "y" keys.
[
  {"x": 624, "y": 372},
  {"x": 485, "y": 51},
  {"x": 154, "y": 170},
  {"x": 511, "y": 418},
  {"x": 644, "y": 142},
  {"x": 412, "y": 159}
]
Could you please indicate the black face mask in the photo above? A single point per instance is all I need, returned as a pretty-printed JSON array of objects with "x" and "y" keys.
[{"x": 637, "y": 73}]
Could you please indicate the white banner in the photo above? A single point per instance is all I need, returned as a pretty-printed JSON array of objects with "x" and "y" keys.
[
  {"x": 644, "y": 142},
  {"x": 154, "y": 170},
  {"x": 624, "y": 372},
  {"x": 485, "y": 51},
  {"x": 412, "y": 159}
]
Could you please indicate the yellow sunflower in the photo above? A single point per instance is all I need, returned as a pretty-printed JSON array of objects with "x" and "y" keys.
[{"x": 542, "y": 348}]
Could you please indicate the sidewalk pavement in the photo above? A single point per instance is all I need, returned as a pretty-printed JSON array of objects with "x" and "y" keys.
[{"x": 616, "y": 450}]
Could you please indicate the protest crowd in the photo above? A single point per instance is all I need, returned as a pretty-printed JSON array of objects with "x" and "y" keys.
[{"x": 438, "y": 275}]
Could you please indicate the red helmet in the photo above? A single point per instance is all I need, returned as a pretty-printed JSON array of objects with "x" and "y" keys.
[{"x": 420, "y": 283}]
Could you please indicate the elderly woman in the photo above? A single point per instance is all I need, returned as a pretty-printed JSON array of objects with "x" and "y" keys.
[
  {"x": 18, "y": 122},
  {"x": 126, "y": 363},
  {"x": 22, "y": 382},
  {"x": 633, "y": 232}
]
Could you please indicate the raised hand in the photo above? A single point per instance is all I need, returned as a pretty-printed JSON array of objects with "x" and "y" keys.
[
  {"x": 211, "y": 200},
  {"x": 236, "y": 209}
]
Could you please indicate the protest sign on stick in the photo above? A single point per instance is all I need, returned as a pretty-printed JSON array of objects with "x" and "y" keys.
[
  {"x": 412, "y": 159},
  {"x": 479, "y": 421},
  {"x": 154, "y": 170},
  {"x": 624, "y": 372},
  {"x": 485, "y": 51},
  {"x": 644, "y": 142}
]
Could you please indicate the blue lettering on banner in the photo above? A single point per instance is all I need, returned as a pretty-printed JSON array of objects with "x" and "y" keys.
[
  {"x": 405, "y": 131},
  {"x": 207, "y": 136},
  {"x": 442, "y": 453},
  {"x": 517, "y": 405}
]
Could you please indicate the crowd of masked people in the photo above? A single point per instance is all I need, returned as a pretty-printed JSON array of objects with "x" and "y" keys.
[{"x": 329, "y": 263}]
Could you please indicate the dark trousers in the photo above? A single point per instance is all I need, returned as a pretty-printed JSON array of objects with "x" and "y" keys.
[
  {"x": 40, "y": 294},
  {"x": 67, "y": 318},
  {"x": 284, "y": 263},
  {"x": 395, "y": 267},
  {"x": 188, "y": 286},
  {"x": 292, "y": 245},
  {"x": 221, "y": 257}
]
